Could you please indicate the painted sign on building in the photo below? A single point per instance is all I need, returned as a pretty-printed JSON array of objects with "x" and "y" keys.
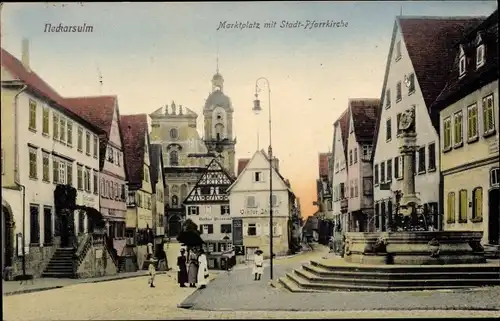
[
  {"x": 257, "y": 211},
  {"x": 237, "y": 231}
]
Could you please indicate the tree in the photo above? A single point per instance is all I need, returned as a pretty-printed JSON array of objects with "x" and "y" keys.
[{"x": 189, "y": 225}]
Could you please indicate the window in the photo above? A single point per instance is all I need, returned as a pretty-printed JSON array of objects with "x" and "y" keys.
[
  {"x": 388, "y": 130},
  {"x": 480, "y": 56},
  {"x": 69, "y": 130},
  {"x": 447, "y": 133},
  {"x": 398, "y": 50},
  {"x": 46, "y": 167},
  {"x": 174, "y": 133},
  {"x": 258, "y": 177},
  {"x": 477, "y": 204},
  {"x": 116, "y": 194},
  {"x": 45, "y": 122},
  {"x": 32, "y": 117},
  {"x": 251, "y": 201},
  {"x": 414, "y": 163},
  {"x": 342, "y": 191},
  {"x": 367, "y": 186},
  {"x": 274, "y": 200},
  {"x": 367, "y": 152},
  {"x": 252, "y": 229},
  {"x": 351, "y": 189},
  {"x": 146, "y": 174},
  {"x": 193, "y": 210},
  {"x": 398, "y": 129},
  {"x": 451, "y": 208},
  {"x": 461, "y": 66},
  {"x": 224, "y": 210},
  {"x": 55, "y": 126},
  {"x": 398, "y": 167},
  {"x": 458, "y": 129},
  {"x": 34, "y": 224},
  {"x": 389, "y": 170},
  {"x": 488, "y": 115},
  {"x": 131, "y": 198},
  {"x": 175, "y": 200},
  {"x": 62, "y": 172},
  {"x": 33, "y": 163},
  {"x": 432, "y": 157},
  {"x": 356, "y": 189},
  {"x": 388, "y": 98},
  {"x": 462, "y": 206},
  {"x": 96, "y": 146},
  {"x": 355, "y": 155},
  {"x": 118, "y": 158},
  {"x": 411, "y": 84},
  {"x": 494, "y": 177},
  {"x": 55, "y": 171},
  {"x": 62, "y": 130},
  {"x": 47, "y": 225},
  {"x": 174, "y": 158},
  {"x": 375, "y": 173},
  {"x": 350, "y": 157},
  {"x": 398, "y": 91},
  {"x": 382, "y": 172},
  {"x": 96, "y": 182},
  {"x": 87, "y": 143},
  {"x": 472, "y": 122},
  {"x": 69, "y": 173},
  {"x": 421, "y": 159},
  {"x": 225, "y": 228},
  {"x": 208, "y": 228},
  {"x": 79, "y": 177},
  {"x": 110, "y": 154},
  {"x": 377, "y": 216},
  {"x": 79, "y": 145}
]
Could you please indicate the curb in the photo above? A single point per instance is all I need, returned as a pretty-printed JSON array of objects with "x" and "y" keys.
[
  {"x": 24, "y": 291},
  {"x": 188, "y": 302}
]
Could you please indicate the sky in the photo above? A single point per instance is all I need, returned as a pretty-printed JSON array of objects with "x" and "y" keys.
[{"x": 150, "y": 54}]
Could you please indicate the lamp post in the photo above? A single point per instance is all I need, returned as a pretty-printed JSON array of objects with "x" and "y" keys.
[{"x": 257, "y": 109}]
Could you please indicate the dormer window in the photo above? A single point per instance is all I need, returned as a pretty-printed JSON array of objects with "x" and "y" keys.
[
  {"x": 461, "y": 62},
  {"x": 480, "y": 56}
]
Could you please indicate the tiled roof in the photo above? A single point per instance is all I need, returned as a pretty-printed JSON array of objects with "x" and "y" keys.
[
  {"x": 430, "y": 43},
  {"x": 323, "y": 164},
  {"x": 344, "y": 129},
  {"x": 364, "y": 113},
  {"x": 39, "y": 86},
  {"x": 474, "y": 78},
  {"x": 98, "y": 110},
  {"x": 134, "y": 130},
  {"x": 156, "y": 164},
  {"x": 242, "y": 163}
]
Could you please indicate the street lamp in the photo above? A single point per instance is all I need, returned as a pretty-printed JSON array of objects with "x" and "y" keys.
[{"x": 257, "y": 109}]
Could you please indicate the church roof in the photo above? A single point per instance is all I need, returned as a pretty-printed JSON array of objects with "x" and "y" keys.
[{"x": 218, "y": 98}]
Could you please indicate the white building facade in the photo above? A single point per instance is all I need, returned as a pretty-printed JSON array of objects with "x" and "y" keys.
[
  {"x": 249, "y": 201},
  {"x": 339, "y": 176}
]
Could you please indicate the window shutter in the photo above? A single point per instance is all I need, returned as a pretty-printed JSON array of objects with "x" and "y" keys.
[
  {"x": 258, "y": 229},
  {"x": 266, "y": 229},
  {"x": 245, "y": 229}
]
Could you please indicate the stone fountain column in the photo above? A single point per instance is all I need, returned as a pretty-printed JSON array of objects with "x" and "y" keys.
[{"x": 407, "y": 147}]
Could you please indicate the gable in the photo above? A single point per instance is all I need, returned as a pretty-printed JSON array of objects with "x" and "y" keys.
[
  {"x": 114, "y": 133},
  {"x": 259, "y": 162},
  {"x": 212, "y": 186}
]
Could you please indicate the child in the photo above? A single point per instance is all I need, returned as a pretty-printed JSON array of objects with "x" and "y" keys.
[{"x": 151, "y": 270}]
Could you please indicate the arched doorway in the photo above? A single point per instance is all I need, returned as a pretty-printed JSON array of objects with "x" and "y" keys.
[
  {"x": 8, "y": 227},
  {"x": 174, "y": 225},
  {"x": 493, "y": 216}
]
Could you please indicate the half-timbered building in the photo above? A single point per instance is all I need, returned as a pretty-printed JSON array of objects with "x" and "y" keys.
[{"x": 207, "y": 205}]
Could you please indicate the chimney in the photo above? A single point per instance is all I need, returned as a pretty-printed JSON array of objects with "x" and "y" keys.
[
  {"x": 276, "y": 164},
  {"x": 25, "y": 54}
]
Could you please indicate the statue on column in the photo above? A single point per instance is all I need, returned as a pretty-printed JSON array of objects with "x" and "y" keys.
[
  {"x": 173, "y": 108},
  {"x": 409, "y": 202}
]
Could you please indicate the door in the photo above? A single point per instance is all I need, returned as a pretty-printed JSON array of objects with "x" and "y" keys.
[{"x": 493, "y": 216}]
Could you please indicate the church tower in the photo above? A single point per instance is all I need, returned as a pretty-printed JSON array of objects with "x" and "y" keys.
[{"x": 218, "y": 114}]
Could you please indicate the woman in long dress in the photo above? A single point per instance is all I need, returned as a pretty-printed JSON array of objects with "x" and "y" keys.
[
  {"x": 182, "y": 275},
  {"x": 258, "y": 265},
  {"x": 192, "y": 269},
  {"x": 202, "y": 270}
]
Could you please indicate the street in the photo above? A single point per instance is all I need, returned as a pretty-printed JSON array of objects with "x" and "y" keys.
[{"x": 234, "y": 295}]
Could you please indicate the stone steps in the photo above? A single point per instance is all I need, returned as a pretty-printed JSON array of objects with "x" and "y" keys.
[
  {"x": 323, "y": 272},
  {"x": 61, "y": 264},
  {"x": 322, "y": 276}
]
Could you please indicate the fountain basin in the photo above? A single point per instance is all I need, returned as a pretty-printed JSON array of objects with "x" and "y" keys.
[{"x": 414, "y": 248}]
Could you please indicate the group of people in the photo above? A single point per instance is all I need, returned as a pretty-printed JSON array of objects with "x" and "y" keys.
[{"x": 193, "y": 269}]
